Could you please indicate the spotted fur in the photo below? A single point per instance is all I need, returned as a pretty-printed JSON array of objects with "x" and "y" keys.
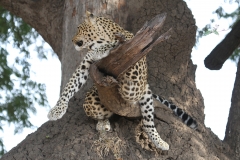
[{"x": 97, "y": 34}]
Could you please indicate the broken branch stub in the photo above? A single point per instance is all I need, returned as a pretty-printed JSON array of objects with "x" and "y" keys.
[{"x": 120, "y": 60}]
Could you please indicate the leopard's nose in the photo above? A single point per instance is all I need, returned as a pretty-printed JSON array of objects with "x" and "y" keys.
[{"x": 79, "y": 43}]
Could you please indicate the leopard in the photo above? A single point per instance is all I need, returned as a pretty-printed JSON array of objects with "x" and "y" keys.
[{"x": 97, "y": 34}]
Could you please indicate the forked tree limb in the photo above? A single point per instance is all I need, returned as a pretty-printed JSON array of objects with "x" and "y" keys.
[{"x": 120, "y": 60}]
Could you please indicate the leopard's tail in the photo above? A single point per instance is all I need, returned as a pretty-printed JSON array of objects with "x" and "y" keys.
[{"x": 188, "y": 120}]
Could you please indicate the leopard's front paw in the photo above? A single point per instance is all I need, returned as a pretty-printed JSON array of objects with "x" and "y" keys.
[{"x": 57, "y": 112}]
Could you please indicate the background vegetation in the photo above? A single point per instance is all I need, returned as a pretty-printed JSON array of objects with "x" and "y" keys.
[{"x": 19, "y": 93}]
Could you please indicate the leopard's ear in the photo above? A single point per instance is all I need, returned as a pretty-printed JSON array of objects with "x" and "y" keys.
[{"x": 90, "y": 18}]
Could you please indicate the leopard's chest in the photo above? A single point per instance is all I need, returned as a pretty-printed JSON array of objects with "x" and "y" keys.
[{"x": 132, "y": 84}]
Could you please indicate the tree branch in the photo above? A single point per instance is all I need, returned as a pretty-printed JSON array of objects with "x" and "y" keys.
[
  {"x": 224, "y": 50},
  {"x": 45, "y": 16},
  {"x": 120, "y": 60}
]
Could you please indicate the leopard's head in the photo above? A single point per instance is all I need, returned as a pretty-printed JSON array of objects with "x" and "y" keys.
[{"x": 94, "y": 32}]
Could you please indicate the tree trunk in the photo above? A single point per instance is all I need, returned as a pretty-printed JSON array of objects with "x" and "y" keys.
[
  {"x": 232, "y": 134},
  {"x": 171, "y": 74}
]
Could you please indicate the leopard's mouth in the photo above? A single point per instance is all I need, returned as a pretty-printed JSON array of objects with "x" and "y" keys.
[
  {"x": 90, "y": 47},
  {"x": 77, "y": 47}
]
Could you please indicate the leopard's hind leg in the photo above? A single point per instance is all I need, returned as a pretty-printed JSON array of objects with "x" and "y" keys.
[
  {"x": 147, "y": 110},
  {"x": 108, "y": 141},
  {"x": 94, "y": 109}
]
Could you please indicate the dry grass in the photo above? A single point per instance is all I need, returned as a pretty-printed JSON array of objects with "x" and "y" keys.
[{"x": 107, "y": 143}]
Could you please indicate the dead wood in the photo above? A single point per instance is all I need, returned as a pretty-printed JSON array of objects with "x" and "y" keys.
[{"x": 106, "y": 71}]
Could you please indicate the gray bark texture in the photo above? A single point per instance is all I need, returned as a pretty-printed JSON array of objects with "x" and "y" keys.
[{"x": 171, "y": 74}]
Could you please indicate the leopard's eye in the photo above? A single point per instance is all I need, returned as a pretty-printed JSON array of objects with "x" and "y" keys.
[{"x": 79, "y": 43}]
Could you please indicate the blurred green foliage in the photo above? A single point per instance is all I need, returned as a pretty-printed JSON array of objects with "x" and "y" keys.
[
  {"x": 209, "y": 29},
  {"x": 18, "y": 93}
]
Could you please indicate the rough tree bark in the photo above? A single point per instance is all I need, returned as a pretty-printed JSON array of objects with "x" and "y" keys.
[{"x": 171, "y": 74}]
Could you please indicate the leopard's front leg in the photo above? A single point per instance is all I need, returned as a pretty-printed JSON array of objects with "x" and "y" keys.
[
  {"x": 147, "y": 110},
  {"x": 77, "y": 80}
]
